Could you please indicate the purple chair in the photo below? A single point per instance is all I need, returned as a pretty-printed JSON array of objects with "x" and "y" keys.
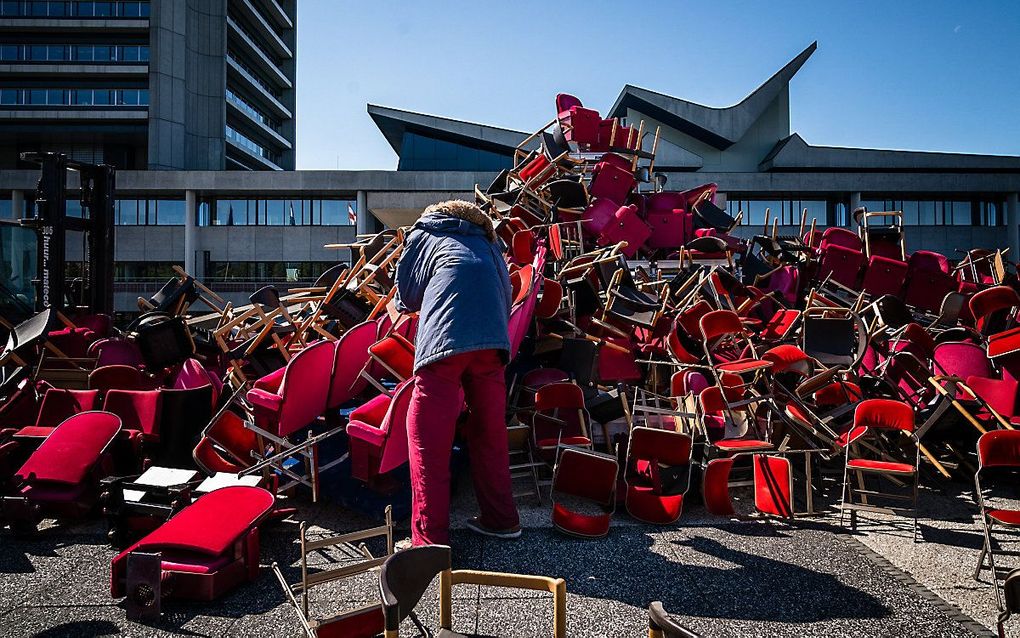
[{"x": 116, "y": 351}]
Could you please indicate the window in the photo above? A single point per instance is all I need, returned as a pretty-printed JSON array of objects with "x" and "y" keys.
[
  {"x": 149, "y": 212},
  {"x": 74, "y": 97},
  {"x": 276, "y": 212},
  {"x": 266, "y": 271},
  {"x": 419, "y": 153},
  {"x": 787, "y": 211},
  {"x": 983, "y": 210}
]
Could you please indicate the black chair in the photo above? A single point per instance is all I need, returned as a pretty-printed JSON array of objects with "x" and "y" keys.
[
  {"x": 708, "y": 215},
  {"x": 1011, "y": 591},
  {"x": 183, "y": 414},
  {"x": 660, "y": 625},
  {"x": 163, "y": 341},
  {"x": 406, "y": 575}
]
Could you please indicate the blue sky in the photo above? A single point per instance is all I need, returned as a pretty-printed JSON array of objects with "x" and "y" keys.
[{"x": 932, "y": 75}]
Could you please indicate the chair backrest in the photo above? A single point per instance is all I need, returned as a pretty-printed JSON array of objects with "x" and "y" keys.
[
  {"x": 72, "y": 449},
  {"x": 927, "y": 261},
  {"x": 687, "y": 382},
  {"x": 350, "y": 356},
  {"x": 667, "y": 447},
  {"x": 405, "y": 577},
  {"x": 394, "y": 354},
  {"x": 194, "y": 375},
  {"x": 587, "y": 475},
  {"x": 720, "y": 323},
  {"x": 305, "y": 386},
  {"x": 59, "y": 404},
  {"x": 1011, "y": 591},
  {"x": 115, "y": 351},
  {"x": 395, "y": 426},
  {"x": 962, "y": 359},
  {"x": 991, "y": 306},
  {"x": 228, "y": 432},
  {"x": 183, "y": 414},
  {"x": 999, "y": 448},
  {"x": 138, "y": 410},
  {"x": 120, "y": 377},
  {"x": 565, "y": 101},
  {"x": 885, "y": 414},
  {"x": 841, "y": 237}
]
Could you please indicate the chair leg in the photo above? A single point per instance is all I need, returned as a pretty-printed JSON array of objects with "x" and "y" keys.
[
  {"x": 985, "y": 548},
  {"x": 991, "y": 568},
  {"x": 915, "y": 506}
]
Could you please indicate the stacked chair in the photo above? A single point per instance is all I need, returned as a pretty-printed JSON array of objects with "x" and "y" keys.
[{"x": 661, "y": 350}]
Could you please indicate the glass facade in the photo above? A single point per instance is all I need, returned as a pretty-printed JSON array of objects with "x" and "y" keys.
[
  {"x": 254, "y": 76},
  {"x": 254, "y": 112},
  {"x": 418, "y": 153},
  {"x": 266, "y": 271},
  {"x": 277, "y": 212},
  {"x": 787, "y": 211},
  {"x": 143, "y": 271},
  {"x": 149, "y": 212},
  {"x": 73, "y": 9},
  {"x": 982, "y": 211},
  {"x": 105, "y": 53},
  {"x": 18, "y": 254},
  {"x": 74, "y": 97},
  {"x": 250, "y": 145}
]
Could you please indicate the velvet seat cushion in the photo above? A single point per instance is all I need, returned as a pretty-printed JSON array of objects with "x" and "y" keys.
[
  {"x": 881, "y": 466},
  {"x": 72, "y": 449}
]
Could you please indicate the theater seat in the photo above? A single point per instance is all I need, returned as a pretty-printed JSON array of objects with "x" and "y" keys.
[{"x": 378, "y": 434}]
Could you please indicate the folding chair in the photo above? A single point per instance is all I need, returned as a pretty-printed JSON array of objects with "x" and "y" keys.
[
  {"x": 998, "y": 467},
  {"x": 584, "y": 492},
  {"x": 346, "y": 560},
  {"x": 874, "y": 418},
  {"x": 406, "y": 576},
  {"x": 658, "y": 474},
  {"x": 560, "y": 418}
]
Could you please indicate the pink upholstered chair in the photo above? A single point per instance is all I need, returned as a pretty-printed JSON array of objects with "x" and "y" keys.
[
  {"x": 378, "y": 434},
  {"x": 291, "y": 398},
  {"x": 349, "y": 359}
]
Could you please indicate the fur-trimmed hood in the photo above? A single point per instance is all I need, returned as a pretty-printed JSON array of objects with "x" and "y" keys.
[{"x": 458, "y": 217}]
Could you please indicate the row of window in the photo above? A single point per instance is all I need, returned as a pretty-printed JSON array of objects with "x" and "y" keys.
[
  {"x": 265, "y": 271},
  {"x": 254, "y": 76},
  {"x": 254, "y": 38},
  {"x": 74, "y": 53},
  {"x": 788, "y": 212},
  {"x": 977, "y": 212},
  {"x": 418, "y": 153},
  {"x": 74, "y": 97},
  {"x": 74, "y": 9},
  {"x": 251, "y": 145},
  {"x": 255, "y": 113},
  {"x": 277, "y": 212}
]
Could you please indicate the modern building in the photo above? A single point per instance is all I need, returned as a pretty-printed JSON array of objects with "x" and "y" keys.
[
  {"x": 237, "y": 230},
  {"x": 152, "y": 84}
]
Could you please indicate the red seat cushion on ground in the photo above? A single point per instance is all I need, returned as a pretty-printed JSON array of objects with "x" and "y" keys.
[
  {"x": 1006, "y": 517},
  {"x": 881, "y": 466}
]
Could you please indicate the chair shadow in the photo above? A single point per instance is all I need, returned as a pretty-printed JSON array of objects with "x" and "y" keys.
[{"x": 630, "y": 570}]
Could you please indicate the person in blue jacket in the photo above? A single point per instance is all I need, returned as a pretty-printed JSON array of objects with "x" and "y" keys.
[{"x": 452, "y": 272}]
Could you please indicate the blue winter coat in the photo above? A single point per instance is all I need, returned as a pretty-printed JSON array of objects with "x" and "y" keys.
[{"x": 457, "y": 280}]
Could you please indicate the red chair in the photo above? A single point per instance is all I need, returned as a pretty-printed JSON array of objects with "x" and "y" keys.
[
  {"x": 612, "y": 179},
  {"x": 998, "y": 462},
  {"x": 139, "y": 412},
  {"x": 994, "y": 309},
  {"x": 879, "y": 421},
  {"x": 884, "y": 276},
  {"x": 203, "y": 552},
  {"x": 118, "y": 377},
  {"x": 61, "y": 478},
  {"x": 584, "y": 492},
  {"x": 293, "y": 397},
  {"x": 928, "y": 280},
  {"x": 378, "y": 434},
  {"x": 627, "y": 227},
  {"x": 600, "y": 215},
  {"x": 351, "y": 356},
  {"x": 578, "y": 124},
  {"x": 57, "y": 406},
  {"x": 658, "y": 474},
  {"x": 726, "y": 345},
  {"x": 391, "y": 357},
  {"x": 560, "y": 419},
  {"x": 194, "y": 375},
  {"x": 115, "y": 351},
  {"x": 841, "y": 257},
  {"x": 226, "y": 445}
]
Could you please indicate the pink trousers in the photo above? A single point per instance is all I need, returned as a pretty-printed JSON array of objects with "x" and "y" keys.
[{"x": 431, "y": 424}]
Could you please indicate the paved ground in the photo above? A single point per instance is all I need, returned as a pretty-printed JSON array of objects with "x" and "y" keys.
[{"x": 721, "y": 577}]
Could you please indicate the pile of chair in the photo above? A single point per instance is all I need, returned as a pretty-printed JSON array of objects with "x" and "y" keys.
[{"x": 653, "y": 351}]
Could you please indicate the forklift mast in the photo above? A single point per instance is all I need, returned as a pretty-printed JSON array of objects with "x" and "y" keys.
[{"x": 50, "y": 221}]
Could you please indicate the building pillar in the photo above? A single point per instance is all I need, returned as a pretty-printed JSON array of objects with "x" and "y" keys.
[
  {"x": 1013, "y": 225},
  {"x": 362, "y": 210},
  {"x": 17, "y": 204},
  {"x": 855, "y": 203},
  {"x": 191, "y": 233}
]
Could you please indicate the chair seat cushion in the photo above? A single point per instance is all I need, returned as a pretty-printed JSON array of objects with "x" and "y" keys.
[
  {"x": 577, "y": 441},
  {"x": 881, "y": 466},
  {"x": 743, "y": 365},
  {"x": 1004, "y": 343},
  {"x": 1007, "y": 517},
  {"x": 365, "y": 432},
  {"x": 743, "y": 444}
]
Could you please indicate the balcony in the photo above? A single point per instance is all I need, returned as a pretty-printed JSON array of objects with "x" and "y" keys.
[
  {"x": 265, "y": 30},
  {"x": 267, "y": 66}
]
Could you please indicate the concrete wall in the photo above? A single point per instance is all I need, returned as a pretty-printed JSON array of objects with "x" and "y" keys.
[{"x": 187, "y": 78}]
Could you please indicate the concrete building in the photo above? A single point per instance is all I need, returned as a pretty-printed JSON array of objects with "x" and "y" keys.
[
  {"x": 154, "y": 84},
  {"x": 237, "y": 230}
]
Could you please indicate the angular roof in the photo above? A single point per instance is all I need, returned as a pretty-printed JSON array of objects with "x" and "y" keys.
[
  {"x": 394, "y": 122},
  {"x": 793, "y": 153},
  {"x": 720, "y": 127}
]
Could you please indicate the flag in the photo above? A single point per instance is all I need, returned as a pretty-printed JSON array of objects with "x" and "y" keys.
[{"x": 352, "y": 217}]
